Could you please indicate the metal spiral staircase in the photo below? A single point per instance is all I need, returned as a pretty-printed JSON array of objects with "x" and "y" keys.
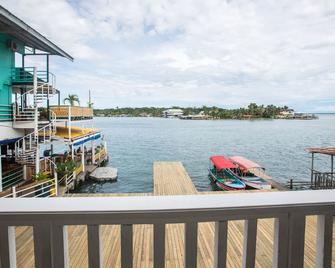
[{"x": 27, "y": 148}]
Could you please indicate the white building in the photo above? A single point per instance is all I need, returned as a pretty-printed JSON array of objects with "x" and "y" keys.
[{"x": 173, "y": 113}]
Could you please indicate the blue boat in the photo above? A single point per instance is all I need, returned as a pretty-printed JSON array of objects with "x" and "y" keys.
[{"x": 222, "y": 174}]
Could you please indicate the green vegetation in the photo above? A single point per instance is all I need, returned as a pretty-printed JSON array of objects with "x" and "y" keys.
[
  {"x": 72, "y": 99},
  {"x": 252, "y": 111},
  {"x": 65, "y": 168},
  {"x": 40, "y": 176}
]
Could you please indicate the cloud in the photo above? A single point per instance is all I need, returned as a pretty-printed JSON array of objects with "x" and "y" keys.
[{"x": 192, "y": 52}]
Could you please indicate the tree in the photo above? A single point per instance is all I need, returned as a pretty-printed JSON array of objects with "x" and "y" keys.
[
  {"x": 72, "y": 99},
  {"x": 90, "y": 104}
]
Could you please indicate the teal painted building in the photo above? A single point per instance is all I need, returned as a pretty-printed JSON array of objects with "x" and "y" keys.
[{"x": 8, "y": 46}]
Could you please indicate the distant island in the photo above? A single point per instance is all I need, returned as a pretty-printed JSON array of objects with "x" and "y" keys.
[{"x": 252, "y": 111}]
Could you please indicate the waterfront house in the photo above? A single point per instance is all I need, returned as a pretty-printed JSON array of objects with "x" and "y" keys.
[
  {"x": 31, "y": 129},
  {"x": 173, "y": 113}
]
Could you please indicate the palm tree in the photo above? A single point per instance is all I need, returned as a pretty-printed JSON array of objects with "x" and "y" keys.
[
  {"x": 71, "y": 99},
  {"x": 90, "y": 104}
]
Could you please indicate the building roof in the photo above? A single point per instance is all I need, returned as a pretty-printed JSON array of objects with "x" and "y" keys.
[
  {"x": 220, "y": 162},
  {"x": 173, "y": 111},
  {"x": 329, "y": 151},
  {"x": 12, "y": 25}
]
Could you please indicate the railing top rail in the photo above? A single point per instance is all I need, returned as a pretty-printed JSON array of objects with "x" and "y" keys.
[
  {"x": 25, "y": 189},
  {"x": 266, "y": 200}
]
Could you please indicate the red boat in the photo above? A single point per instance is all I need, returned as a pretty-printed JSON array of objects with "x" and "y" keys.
[{"x": 221, "y": 172}]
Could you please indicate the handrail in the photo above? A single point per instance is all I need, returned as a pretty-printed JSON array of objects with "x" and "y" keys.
[
  {"x": 26, "y": 74},
  {"x": 25, "y": 191},
  {"x": 70, "y": 179},
  {"x": 30, "y": 141},
  {"x": 31, "y": 136},
  {"x": 12, "y": 177},
  {"x": 270, "y": 202},
  {"x": 289, "y": 209}
]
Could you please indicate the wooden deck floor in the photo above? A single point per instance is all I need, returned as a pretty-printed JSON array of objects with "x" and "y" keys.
[{"x": 169, "y": 178}]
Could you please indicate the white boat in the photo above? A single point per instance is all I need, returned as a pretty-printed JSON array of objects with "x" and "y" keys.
[{"x": 251, "y": 173}]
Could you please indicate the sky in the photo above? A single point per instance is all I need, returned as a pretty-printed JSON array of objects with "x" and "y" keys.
[{"x": 191, "y": 53}]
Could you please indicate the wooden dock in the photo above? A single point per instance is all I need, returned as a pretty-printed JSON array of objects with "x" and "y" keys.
[{"x": 169, "y": 178}]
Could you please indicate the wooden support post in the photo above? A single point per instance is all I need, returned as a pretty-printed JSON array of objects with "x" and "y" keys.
[
  {"x": 312, "y": 169},
  {"x": 126, "y": 245},
  {"x": 94, "y": 246},
  {"x": 37, "y": 160},
  {"x": 296, "y": 240},
  {"x": 69, "y": 122},
  {"x": 249, "y": 245},
  {"x": 56, "y": 183},
  {"x": 25, "y": 177},
  {"x": 42, "y": 245},
  {"x": 191, "y": 239},
  {"x": 332, "y": 171},
  {"x": 159, "y": 245},
  {"x": 93, "y": 152},
  {"x": 220, "y": 247},
  {"x": 83, "y": 157},
  {"x": 59, "y": 246}
]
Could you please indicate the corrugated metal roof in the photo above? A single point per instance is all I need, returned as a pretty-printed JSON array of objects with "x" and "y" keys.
[{"x": 329, "y": 151}]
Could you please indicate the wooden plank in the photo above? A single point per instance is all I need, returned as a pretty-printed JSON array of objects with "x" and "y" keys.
[
  {"x": 159, "y": 245},
  {"x": 220, "y": 248},
  {"x": 126, "y": 246},
  {"x": 249, "y": 244},
  {"x": 42, "y": 245},
  {"x": 191, "y": 239},
  {"x": 94, "y": 246},
  {"x": 324, "y": 240}
]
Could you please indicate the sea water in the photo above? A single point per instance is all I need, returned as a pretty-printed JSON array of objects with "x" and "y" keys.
[{"x": 134, "y": 144}]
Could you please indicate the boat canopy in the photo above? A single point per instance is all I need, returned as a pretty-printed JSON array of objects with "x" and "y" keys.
[
  {"x": 220, "y": 162},
  {"x": 244, "y": 163},
  {"x": 78, "y": 134}
]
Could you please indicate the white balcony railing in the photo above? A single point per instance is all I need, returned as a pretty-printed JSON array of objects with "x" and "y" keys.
[{"x": 49, "y": 218}]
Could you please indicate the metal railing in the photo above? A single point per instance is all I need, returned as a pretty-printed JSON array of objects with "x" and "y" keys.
[
  {"x": 322, "y": 180},
  {"x": 6, "y": 112},
  {"x": 26, "y": 147},
  {"x": 12, "y": 177},
  {"x": 26, "y": 75},
  {"x": 72, "y": 112},
  {"x": 289, "y": 209},
  {"x": 47, "y": 188},
  {"x": 68, "y": 181},
  {"x": 101, "y": 154}
]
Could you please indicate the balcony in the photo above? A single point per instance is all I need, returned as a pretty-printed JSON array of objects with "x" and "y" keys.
[
  {"x": 72, "y": 113},
  {"x": 6, "y": 112},
  {"x": 25, "y": 76},
  {"x": 187, "y": 230}
]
